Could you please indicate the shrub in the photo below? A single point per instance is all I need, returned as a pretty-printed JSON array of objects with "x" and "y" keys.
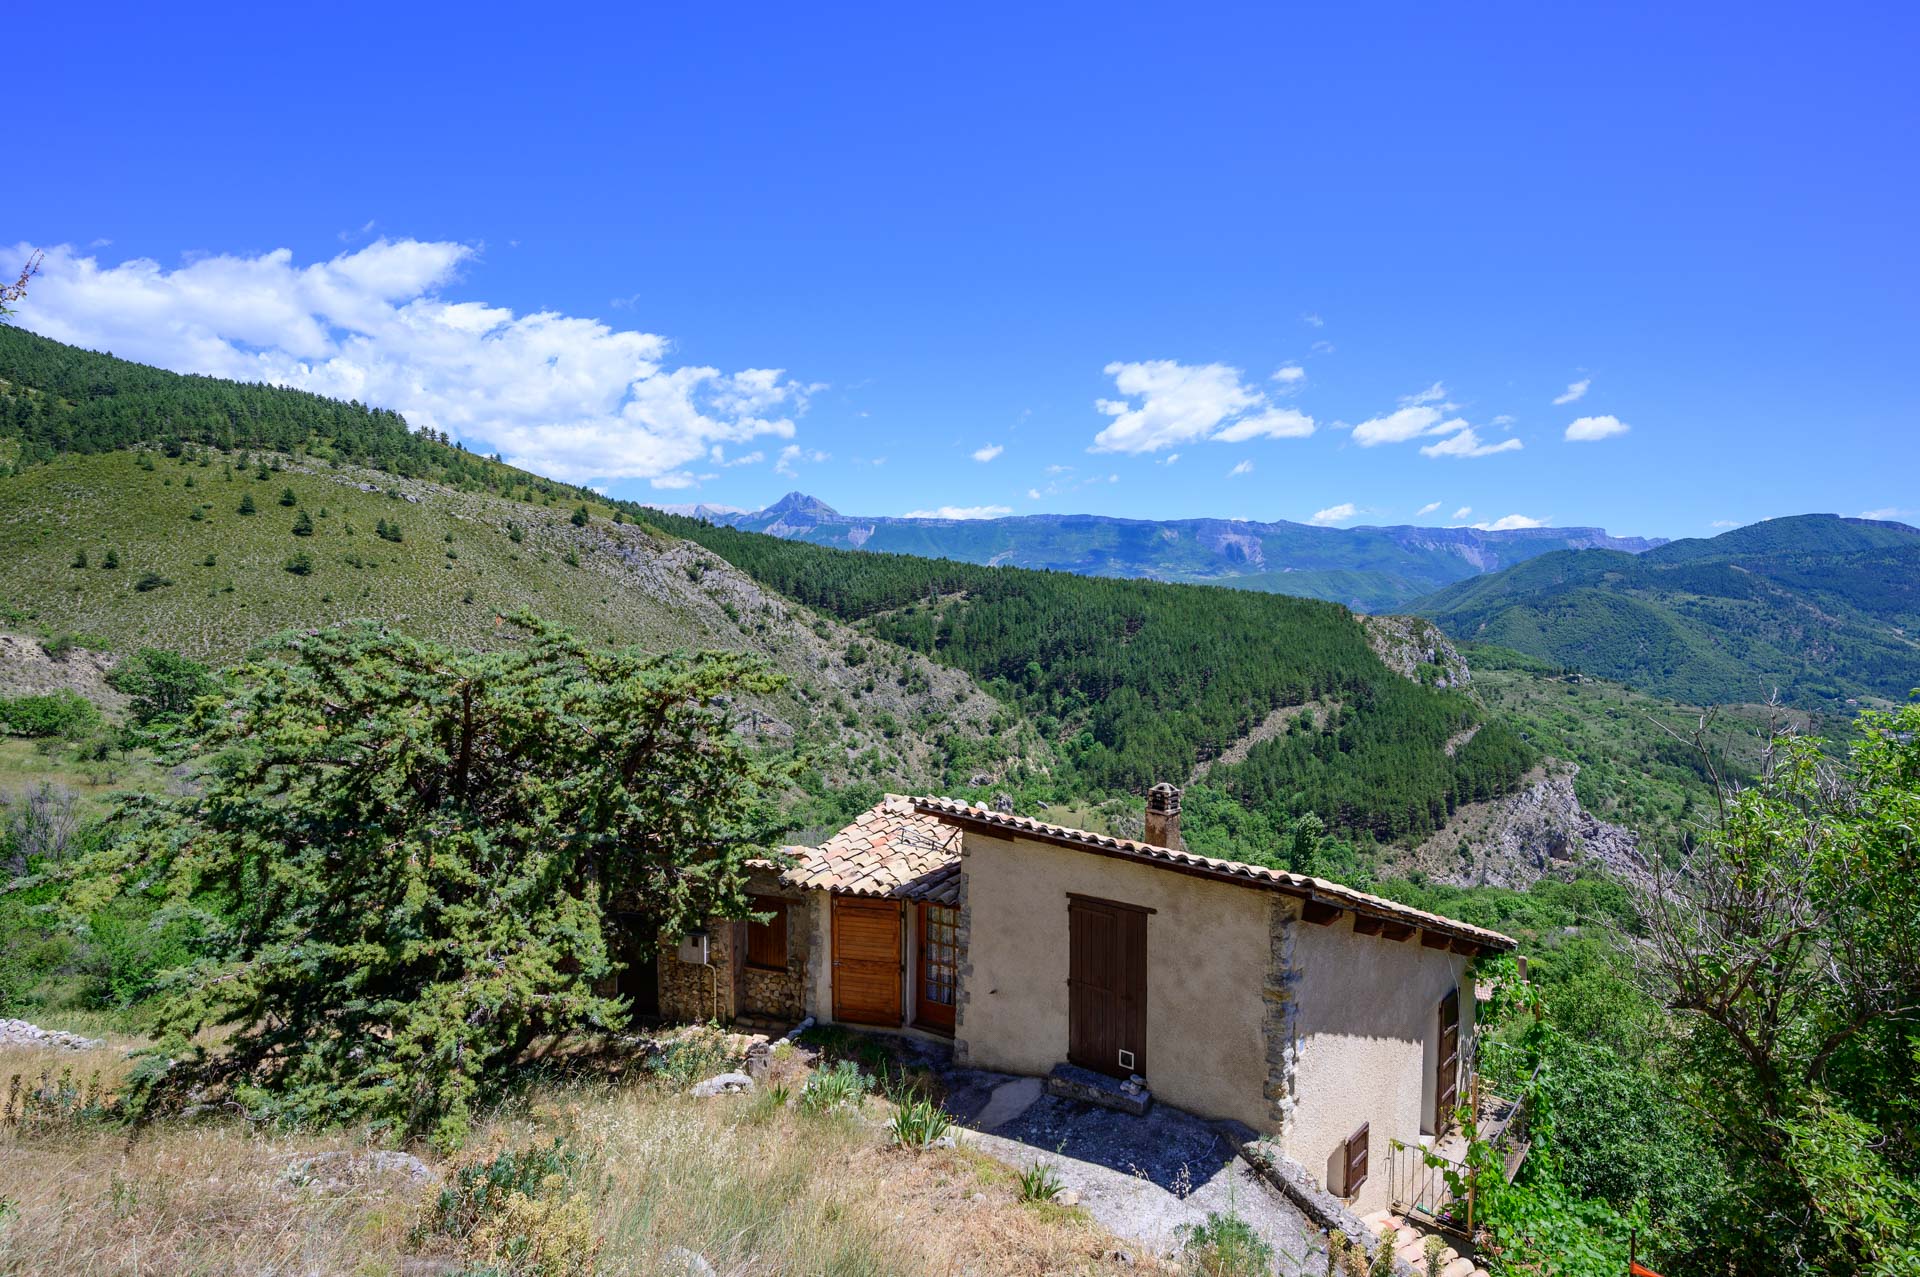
[
  {"x": 64, "y": 713},
  {"x": 112, "y": 560},
  {"x": 246, "y": 504},
  {"x": 1225, "y": 1246},
  {"x": 579, "y": 519},
  {"x": 151, "y": 581},
  {"x": 300, "y": 563},
  {"x": 161, "y": 683},
  {"x": 287, "y": 498},
  {"x": 479, "y": 1189},
  {"x": 303, "y": 525},
  {"x": 79, "y": 558}
]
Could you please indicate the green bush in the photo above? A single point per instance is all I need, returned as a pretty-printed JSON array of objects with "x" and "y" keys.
[
  {"x": 1225, "y": 1246},
  {"x": 479, "y": 1190},
  {"x": 64, "y": 713}
]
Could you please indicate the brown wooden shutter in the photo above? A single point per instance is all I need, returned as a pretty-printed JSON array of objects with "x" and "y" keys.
[
  {"x": 767, "y": 941},
  {"x": 1357, "y": 1159},
  {"x": 1446, "y": 1083}
]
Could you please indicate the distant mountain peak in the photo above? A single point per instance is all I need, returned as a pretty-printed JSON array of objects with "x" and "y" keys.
[{"x": 802, "y": 504}]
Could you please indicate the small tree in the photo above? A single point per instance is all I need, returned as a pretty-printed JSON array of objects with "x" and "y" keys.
[
  {"x": 418, "y": 850},
  {"x": 112, "y": 559},
  {"x": 579, "y": 519},
  {"x": 287, "y": 498},
  {"x": 302, "y": 525},
  {"x": 300, "y": 563},
  {"x": 160, "y": 684},
  {"x": 246, "y": 504},
  {"x": 79, "y": 558}
]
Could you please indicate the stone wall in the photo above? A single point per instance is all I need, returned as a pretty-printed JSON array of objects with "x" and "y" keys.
[
  {"x": 1280, "y": 1024},
  {"x": 727, "y": 988}
]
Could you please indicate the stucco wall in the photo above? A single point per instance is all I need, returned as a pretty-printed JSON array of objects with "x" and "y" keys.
[
  {"x": 1207, "y": 953},
  {"x": 1367, "y": 1016}
]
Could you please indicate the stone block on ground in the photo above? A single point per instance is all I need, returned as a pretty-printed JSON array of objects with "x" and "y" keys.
[
  {"x": 722, "y": 1084},
  {"x": 1071, "y": 1082}
]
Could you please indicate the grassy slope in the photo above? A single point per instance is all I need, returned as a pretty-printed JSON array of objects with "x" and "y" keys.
[{"x": 455, "y": 572}]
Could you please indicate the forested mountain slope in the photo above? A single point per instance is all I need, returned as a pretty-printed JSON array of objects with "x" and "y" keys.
[
  {"x": 1141, "y": 680},
  {"x": 1825, "y": 609},
  {"x": 1369, "y": 569}
]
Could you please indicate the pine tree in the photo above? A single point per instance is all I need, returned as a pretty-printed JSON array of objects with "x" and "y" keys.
[
  {"x": 287, "y": 498},
  {"x": 246, "y": 504},
  {"x": 79, "y": 558},
  {"x": 437, "y": 842},
  {"x": 302, "y": 525},
  {"x": 112, "y": 560},
  {"x": 579, "y": 516}
]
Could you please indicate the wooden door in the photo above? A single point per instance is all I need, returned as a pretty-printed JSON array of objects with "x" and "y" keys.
[
  {"x": 1107, "y": 986},
  {"x": 938, "y": 975},
  {"x": 1446, "y": 1088},
  {"x": 866, "y": 960}
]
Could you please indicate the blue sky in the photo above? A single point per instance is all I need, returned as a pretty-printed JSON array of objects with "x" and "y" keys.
[{"x": 1303, "y": 245}]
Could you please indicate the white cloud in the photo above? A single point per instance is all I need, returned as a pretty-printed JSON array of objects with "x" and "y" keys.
[
  {"x": 1467, "y": 444},
  {"x": 1504, "y": 419},
  {"x": 1577, "y": 390},
  {"x": 1274, "y": 423},
  {"x": 567, "y": 396},
  {"x": 1058, "y": 469},
  {"x": 1245, "y": 467},
  {"x": 1465, "y": 511},
  {"x": 1400, "y": 426},
  {"x": 792, "y": 455},
  {"x": 1590, "y": 429},
  {"x": 1312, "y": 320},
  {"x": 1168, "y": 403},
  {"x": 988, "y": 453},
  {"x": 1336, "y": 513},
  {"x": 961, "y": 512},
  {"x": 1734, "y": 523},
  {"x": 1321, "y": 348},
  {"x": 1291, "y": 375},
  {"x": 1428, "y": 508},
  {"x": 1885, "y": 514},
  {"x": 1033, "y": 494},
  {"x": 1432, "y": 394},
  {"x": 1172, "y": 458},
  {"x": 1510, "y": 522}
]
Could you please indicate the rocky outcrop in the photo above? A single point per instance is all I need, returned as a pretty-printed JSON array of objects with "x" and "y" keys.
[
  {"x": 1517, "y": 840},
  {"x": 18, "y": 1033},
  {"x": 27, "y": 668},
  {"x": 1416, "y": 650}
]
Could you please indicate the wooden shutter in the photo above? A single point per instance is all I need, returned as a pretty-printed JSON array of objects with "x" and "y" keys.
[
  {"x": 1107, "y": 986},
  {"x": 767, "y": 941},
  {"x": 1356, "y": 1159},
  {"x": 1446, "y": 1086},
  {"x": 866, "y": 960}
]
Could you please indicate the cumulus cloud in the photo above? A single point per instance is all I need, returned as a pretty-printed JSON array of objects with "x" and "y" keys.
[
  {"x": 963, "y": 511},
  {"x": 1406, "y": 423},
  {"x": 791, "y": 458},
  {"x": 1312, "y": 320},
  {"x": 1577, "y": 390},
  {"x": 988, "y": 453},
  {"x": 1510, "y": 522},
  {"x": 1336, "y": 513},
  {"x": 1885, "y": 514},
  {"x": 1167, "y": 403},
  {"x": 1428, "y": 508},
  {"x": 1466, "y": 443},
  {"x": 1464, "y": 512},
  {"x": 564, "y": 395},
  {"x": 1591, "y": 429},
  {"x": 1245, "y": 467}
]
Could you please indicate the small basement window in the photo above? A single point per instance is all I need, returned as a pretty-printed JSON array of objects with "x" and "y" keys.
[
  {"x": 1347, "y": 1168},
  {"x": 767, "y": 941}
]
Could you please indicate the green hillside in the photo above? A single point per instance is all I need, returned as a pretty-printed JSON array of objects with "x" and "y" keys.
[
  {"x": 1824, "y": 609},
  {"x": 1139, "y": 680}
]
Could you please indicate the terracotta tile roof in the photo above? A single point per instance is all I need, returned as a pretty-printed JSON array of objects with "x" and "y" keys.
[
  {"x": 889, "y": 850},
  {"x": 960, "y": 815}
]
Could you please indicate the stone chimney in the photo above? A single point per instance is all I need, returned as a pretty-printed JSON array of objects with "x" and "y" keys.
[{"x": 1163, "y": 817}]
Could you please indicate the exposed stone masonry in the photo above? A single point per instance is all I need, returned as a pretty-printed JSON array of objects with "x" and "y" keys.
[{"x": 1280, "y": 1022}]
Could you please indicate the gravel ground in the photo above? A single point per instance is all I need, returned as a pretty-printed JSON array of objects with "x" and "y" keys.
[{"x": 1140, "y": 1177}]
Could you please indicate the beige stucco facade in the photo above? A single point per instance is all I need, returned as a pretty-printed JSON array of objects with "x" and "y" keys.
[
  {"x": 1207, "y": 952},
  {"x": 1367, "y": 1024},
  {"x": 1302, "y": 1030}
]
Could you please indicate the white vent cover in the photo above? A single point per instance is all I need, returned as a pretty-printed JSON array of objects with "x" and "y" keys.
[{"x": 693, "y": 948}]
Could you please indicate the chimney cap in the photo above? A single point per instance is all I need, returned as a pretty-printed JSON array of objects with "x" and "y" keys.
[{"x": 1163, "y": 797}]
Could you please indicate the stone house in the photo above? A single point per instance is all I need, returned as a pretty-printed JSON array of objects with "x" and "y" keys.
[{"x": 1328, "y": 1020}]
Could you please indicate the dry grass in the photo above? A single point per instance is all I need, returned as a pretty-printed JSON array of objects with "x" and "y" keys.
[{"x": 753, "y": 1186}]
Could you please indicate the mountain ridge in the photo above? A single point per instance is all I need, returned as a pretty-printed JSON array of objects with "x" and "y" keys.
[{"x": 1370, "y": 568}]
